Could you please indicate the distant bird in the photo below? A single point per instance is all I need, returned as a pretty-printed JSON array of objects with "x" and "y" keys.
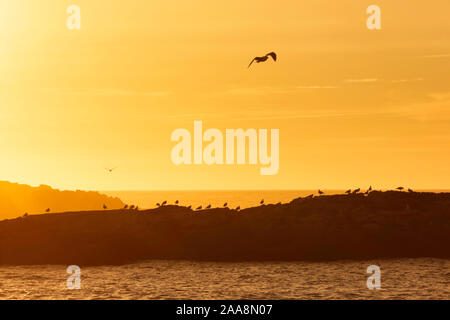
[
  {"x": 400, "y": 188},
  {"x": 348, "y": 191},
  {"x": 126, "y": 206},
  {"x": 176, "y": 201},
  {"x": 262, "y": 201},
  {"x": 370, "y": 189},
  {"x": 137, "y": 208},
  {"x": 320, "y": 191},
  {"x": 410, "y": 190},
  {"x": 132, "y": 207},
  {"x": 199, "y": 208},
  {"x": 310, "y": 196},
  {"x": 356, "y": 191},
  {"x": 238, "y": 208},
  {"x": 158, "y": 205},
  {"x": 48, "y": 210},
  {"x": 189, "y": 207},
  {"x": 208, "y": 207},
  {"x": 110, "y": 169},
  {"x": 264, "y": 58},
  {"x": 105, "y": 207},
  {"x": 164, "y": 202},
  {"x": 225, "y": 204},
  {"x": 279, "y": 204},
  {"x": 25, "y": 214}
]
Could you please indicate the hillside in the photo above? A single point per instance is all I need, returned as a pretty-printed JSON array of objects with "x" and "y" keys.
[
  {"x": 380, "y": 225},
  {"x": 16, "y": 199}
]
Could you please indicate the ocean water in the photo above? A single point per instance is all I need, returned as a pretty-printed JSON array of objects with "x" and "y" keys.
[{"x": 422, "y": 278}]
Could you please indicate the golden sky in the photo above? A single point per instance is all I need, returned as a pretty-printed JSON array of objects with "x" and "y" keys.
[{"x": 354, "y": 107}]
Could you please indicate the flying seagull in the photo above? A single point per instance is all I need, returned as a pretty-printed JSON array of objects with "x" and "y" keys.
[
  {"x": 264, "y": 58},
  {"x": 110, "y": 169}
]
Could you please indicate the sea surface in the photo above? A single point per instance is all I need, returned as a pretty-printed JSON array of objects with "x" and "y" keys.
[{"x": 423, "y": 278}]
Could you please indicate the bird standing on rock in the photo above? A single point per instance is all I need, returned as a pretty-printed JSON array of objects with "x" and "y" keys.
[
  {"x": 225, "y": 204},
  {"x": 208, "y": 207},
  {"x": 320, "y": 192},
  {"x": 348, "y": 191},
  {"x": 262, "y": 201},
  {"x": 400, "y": 188},
  {"x": 356, "y": 191},
  {"x": 199, "y": 208}
]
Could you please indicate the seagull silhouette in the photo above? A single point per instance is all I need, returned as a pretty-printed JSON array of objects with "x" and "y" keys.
[
  {"x": 225, "y": 204},
  {"x": 320, "y": 191},
  {"x": 208, "y": 207},
  {"x": 110, "y": 169},
  {"x": 356, "y": 190},
  {"x": 48, "y": 210},
  {"x": 400, "y": 188},
  {"x": 264, "y": 58},
  {"x": 199, "y": 208},
  {"x": 410, "y": 190},
  {"x": 176, "y": 202},
  {"x": 105, "y": 207},
  {"x": 262, "y": 201},
  {"x": 348, "y": 191},
  {"x": 238, "y": 208}
]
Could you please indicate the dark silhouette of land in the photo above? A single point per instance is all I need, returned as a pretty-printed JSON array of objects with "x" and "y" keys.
[
  {"x": 16, "y": 199},
  {"x": 355, "y": 226}
]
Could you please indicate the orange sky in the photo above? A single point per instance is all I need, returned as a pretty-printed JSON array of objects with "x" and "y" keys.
[{"x": 354, "y": 107}]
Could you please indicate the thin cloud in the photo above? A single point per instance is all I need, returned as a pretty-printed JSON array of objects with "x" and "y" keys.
[
  {"x": 407, "y": 80},
  {"x": 365, "y": 80},
  {"x": 437, "y": 56},
  {"x": 317, "y": 87},
  {"x": 103, "y": 92}
]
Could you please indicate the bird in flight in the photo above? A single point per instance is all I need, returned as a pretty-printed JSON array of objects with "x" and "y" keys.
[
  {"x": 110, "y": 169},
  {"x": 264, "y": 58}
]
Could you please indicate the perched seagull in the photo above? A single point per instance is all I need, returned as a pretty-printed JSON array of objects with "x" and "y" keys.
[
  {"x": 176, "y": 202},
  {"x": 410, "y": 190},
  {"x": 132, "y": 207},
  {"x": 262, "y": 201},
  {"x": 320, "y": 191},
  {"x": 110, "y": 169},
  {"x": 310, "y": 196},
  {"x": 225, "y": 204},
  {"x": 189, "y": 207},
  {"x": 165, "y": 201},
  {"x": 158, "y": 205},
  {"x": 137, "y": 208},
  {"x": 208, "y": 207},
  {"x": 48, "y": 210},
  {"x": 105, "y": 207},
  {"x": 348, "y": 191},
  {"x": 400, "y": 188},
  {"x": 238, "y": 208},
  {"x": 264, "y": 58},
  {"x": 126, "y": 206},
  {"x": 199, "y": 208},
  {"x": 356, "y": 191}
]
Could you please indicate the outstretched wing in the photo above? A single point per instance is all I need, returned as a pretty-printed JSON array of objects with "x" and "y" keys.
[
  {"x": 273, "y": 55},
  {"x": 251, "y": 63}
]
